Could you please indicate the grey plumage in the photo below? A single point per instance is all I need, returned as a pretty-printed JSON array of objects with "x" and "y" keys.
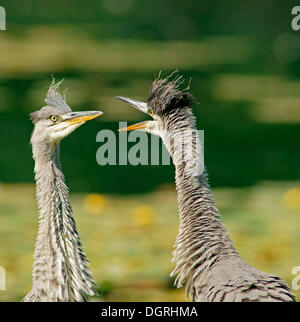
[
  {"x": 60, "y": 271},
  {"x": 206, "y": 260}
]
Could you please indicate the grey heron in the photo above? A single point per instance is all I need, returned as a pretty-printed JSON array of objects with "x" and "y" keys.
[
  {"x": 60, "y": 272},
  {"x": 206, "y": 260}
]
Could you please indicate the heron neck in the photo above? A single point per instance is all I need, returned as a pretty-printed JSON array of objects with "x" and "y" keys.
[
  {"x": 202, "y": 238},
  {"x": 60, "y": 270}
]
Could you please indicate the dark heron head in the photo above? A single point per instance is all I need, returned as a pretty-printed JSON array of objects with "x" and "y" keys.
[{"x": 166, "y": 104}]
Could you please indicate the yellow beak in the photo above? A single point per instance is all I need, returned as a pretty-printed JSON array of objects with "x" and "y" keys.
[
  {"x": 82, "y": 117},
  {"x": 137, "y": 126}
]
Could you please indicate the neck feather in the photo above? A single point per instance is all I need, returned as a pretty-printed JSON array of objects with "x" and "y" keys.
[
  {"x": 60, "y": 270},
  {"x": 202, "y": 238}
]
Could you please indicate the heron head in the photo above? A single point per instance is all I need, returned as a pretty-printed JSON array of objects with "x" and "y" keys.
[
  {"x": 56, "y": 120},
  {"x": 52, "y": 125},
  {"x": 166, "y": 104}
]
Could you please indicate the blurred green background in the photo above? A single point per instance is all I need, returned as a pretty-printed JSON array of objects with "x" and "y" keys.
[{"x": 244, "y": 61}]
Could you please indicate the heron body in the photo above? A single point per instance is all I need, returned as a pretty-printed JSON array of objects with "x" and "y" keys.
[
  {"x": 206, "y": 260},
  {"x": 60, "y": 271}
]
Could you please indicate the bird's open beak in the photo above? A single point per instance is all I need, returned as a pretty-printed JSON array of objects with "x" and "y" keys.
[
  {"x": 80, "y": 117},
  {"x": 141, "y": 106}
]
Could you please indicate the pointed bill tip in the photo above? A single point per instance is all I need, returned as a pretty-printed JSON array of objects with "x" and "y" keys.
[
  {"x": 82, "y": 117},
  {"x": 139, "y": 105}
]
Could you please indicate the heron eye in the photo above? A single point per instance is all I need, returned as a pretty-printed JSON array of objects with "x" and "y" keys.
[
  {"x": 151, "y": 111},
  {"x": 53, "y": 118}
]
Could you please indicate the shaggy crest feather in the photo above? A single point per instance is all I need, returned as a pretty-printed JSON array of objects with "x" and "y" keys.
[
  {"x": 165, "y": 94},
  {"x": 55, "y": 103},
  {"x": 55, "y": 99}
]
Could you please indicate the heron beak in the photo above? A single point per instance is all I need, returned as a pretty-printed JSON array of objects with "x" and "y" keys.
[
  {"x": 80, "y": 117},
  {"x": 141, "y": 106},
  {"x": 137, "y": 126}
]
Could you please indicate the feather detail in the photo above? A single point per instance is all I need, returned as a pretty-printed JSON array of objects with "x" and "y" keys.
[{"x": 55, "y": 99}]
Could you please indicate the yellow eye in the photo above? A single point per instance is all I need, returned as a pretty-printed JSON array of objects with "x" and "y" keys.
[
  {"x": 53, "y": 118},
  {"x": 151, "y": 111}
]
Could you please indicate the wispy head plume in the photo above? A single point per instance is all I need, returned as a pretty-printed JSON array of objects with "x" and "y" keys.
[
  {"x": 166, "y": 93},
  {"x": 55, "y": 99}
]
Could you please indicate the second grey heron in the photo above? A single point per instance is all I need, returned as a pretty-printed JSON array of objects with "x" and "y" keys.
[{"x": 60, "y": 271}]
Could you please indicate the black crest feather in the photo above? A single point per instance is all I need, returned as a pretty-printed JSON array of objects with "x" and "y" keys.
[{"x": 165, "y": 94}]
